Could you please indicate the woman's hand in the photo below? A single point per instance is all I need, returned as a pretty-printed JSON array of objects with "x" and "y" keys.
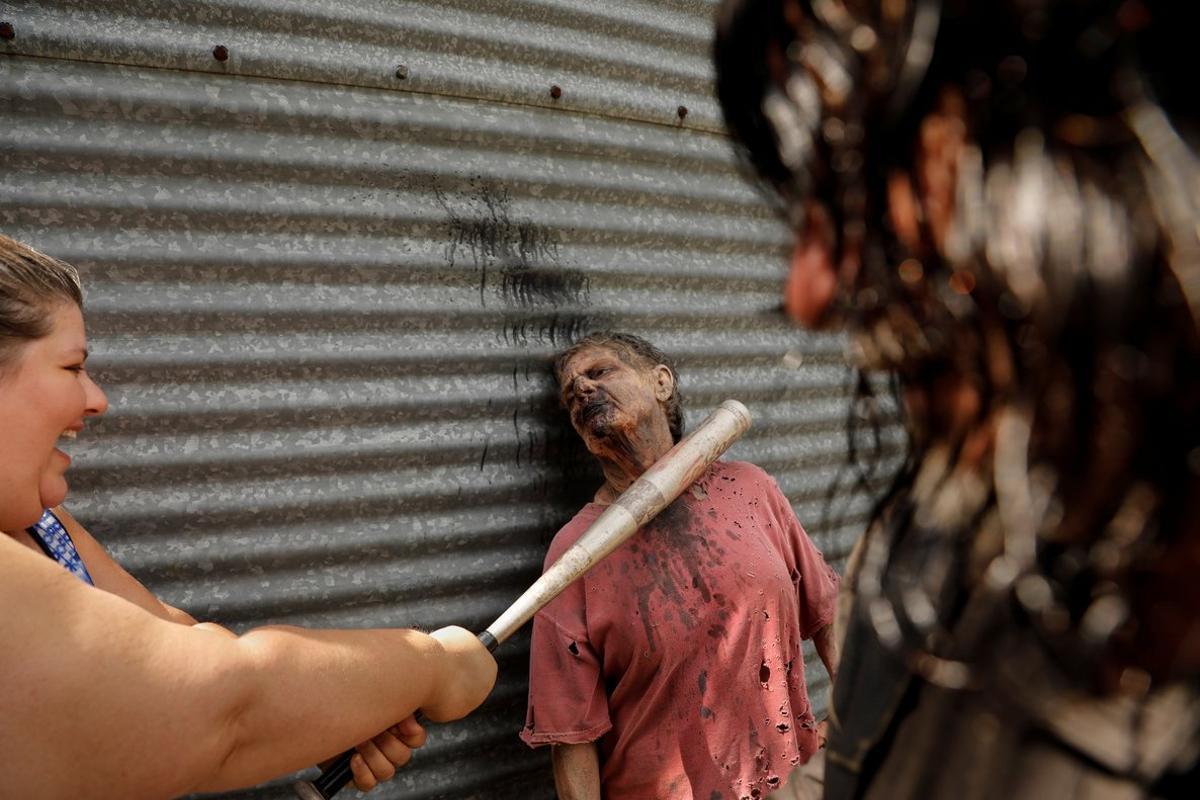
[
  {"x": 466, "y": 678},
  {"x": 378, "y": 759}
]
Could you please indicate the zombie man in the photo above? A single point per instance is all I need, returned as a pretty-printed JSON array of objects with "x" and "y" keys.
[
  {"x": 673, "y": 670},
  {"x": 998, "y": 200}
]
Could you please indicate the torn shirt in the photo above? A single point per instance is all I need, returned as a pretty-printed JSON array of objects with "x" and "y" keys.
[{"x": 680, "y": 652}]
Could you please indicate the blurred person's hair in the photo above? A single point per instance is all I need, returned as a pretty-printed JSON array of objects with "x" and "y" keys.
[{"x": 1067, "y": 289}]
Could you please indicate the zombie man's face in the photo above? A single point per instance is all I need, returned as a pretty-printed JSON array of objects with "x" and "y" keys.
[{"x": 609, "y": 398}]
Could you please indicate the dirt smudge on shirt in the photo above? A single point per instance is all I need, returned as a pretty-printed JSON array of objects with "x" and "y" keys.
[{"x": 674, "y": 555}]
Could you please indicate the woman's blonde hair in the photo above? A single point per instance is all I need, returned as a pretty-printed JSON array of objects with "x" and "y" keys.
[{"x": 31, "y": 285}]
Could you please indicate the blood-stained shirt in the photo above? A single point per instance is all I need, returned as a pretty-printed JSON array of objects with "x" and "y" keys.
[{"x": 679, "y": 654}]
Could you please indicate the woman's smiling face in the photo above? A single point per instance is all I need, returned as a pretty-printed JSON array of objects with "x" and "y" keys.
[{"x": 45, "y": 394}]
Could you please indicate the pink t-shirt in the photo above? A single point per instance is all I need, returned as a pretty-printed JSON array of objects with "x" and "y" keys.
[{"x": 680, "y": 652}]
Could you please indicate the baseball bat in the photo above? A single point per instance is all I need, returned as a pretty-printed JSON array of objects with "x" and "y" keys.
[{"x": 656, "y": 489}]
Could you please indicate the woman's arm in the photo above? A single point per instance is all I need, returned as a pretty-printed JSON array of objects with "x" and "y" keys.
[
  {"x": 112, "y": 577},
  {"x": 102, "y": 698},
  {"x": 378, "y": 757}
]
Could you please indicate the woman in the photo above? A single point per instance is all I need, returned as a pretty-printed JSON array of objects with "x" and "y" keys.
[{"x": 109, "y": 691}]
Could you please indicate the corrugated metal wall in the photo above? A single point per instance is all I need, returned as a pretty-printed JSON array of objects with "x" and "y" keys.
[{"x": 328, "y": 249}]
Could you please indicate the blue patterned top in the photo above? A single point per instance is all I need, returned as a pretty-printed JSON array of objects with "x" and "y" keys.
[{"x": 53, "y": 538}]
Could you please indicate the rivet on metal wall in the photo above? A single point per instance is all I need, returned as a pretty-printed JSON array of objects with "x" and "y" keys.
[
  {"x": 556, "y": 91},
  {"x": 401, "y": 71},
  {"x": 681, "y": 112},
  {"x": 221, "y": 53},
  {"x": 7, "y": 31}
]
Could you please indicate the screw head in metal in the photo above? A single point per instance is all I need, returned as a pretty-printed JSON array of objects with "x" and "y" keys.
[
  {"x": 681, "y": 112},
  {"x": 556, "y": 91},
  {"x": 401, "y": 71},
  {"x": 221, "y": 53},
  {"x": 7, "y": 31}
]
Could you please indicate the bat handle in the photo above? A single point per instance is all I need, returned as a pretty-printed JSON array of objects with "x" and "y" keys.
[{"x": 334, "y": 777}]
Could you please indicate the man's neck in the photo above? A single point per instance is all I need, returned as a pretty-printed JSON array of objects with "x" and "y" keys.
[{"x": 620, "y": 473}]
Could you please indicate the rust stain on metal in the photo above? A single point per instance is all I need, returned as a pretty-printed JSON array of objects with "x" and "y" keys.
[
  {"x": 681, "y": 112},
  {"x": 556, "y": 91}
]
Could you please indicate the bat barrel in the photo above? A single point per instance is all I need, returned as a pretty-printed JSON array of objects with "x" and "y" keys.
[{"x": 653, "y": 491}]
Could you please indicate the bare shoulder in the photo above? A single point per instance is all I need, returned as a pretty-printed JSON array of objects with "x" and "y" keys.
[
  {"x": 80, "y": 535},
  {"x": 43, "y": 596},
  {"x": 85, "y": 697},
  {"x": 105, "y": 571},
  {"x": 23, "y": 571}
]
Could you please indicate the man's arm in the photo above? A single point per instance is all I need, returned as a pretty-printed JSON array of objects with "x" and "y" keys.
[
  {"x": 576, "y": 771},
  {"x": 827, "y": 649}
]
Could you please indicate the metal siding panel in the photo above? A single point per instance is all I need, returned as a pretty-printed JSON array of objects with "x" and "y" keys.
[
  {"x": 637, "y": 60},
  {"x": 322, "y": 301}
]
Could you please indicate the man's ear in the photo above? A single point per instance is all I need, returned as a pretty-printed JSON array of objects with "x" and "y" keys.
[{"x": 664, "y": 383}]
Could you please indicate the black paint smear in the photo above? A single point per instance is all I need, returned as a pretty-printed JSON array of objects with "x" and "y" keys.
[
  {"x": 557, "y": 330},
  {"x": 527, "y": 286},
  {"x": 517, "y": 434},
  {"x": 524, "y": 253},
  {"x": 519, "y": 262}
]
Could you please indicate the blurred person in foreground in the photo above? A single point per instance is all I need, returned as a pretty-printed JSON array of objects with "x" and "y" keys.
[
  {"x": 109, "y": 692},
  {"x": 998, "y": 201},
  {"x": 673, "y": 669}
]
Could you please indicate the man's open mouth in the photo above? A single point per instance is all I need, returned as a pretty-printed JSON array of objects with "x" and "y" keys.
[{"x": 591, "y": 411}]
